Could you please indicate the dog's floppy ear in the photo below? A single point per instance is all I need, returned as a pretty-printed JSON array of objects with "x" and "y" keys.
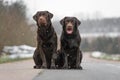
[
  {"x": 50, "y": 14},
  {"x": 77, "y": 21},
  {"x": 35, "y": 17},
  {"x": 62, "y": 21}
]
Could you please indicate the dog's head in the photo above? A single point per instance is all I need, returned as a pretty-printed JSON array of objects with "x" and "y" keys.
[
  {"x": 43, "y": 18},
  {"x": 70, "y": 24}
]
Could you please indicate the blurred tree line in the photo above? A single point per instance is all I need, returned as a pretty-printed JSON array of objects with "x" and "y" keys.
[
  {"x": 14, "y": 29},
  {"x": 103, "y": 44},
  {"x": 100, "y": 25},
  {"x": 95, "y": 25}
]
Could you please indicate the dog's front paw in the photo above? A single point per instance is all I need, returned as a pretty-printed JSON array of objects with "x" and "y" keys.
[
  {"x": 53, "y": 67},
  {"x": 65, "y": 67},
  {"x": 37, "y": 67},
  {"x": 79, "y": 67},
  {"x": 44, "y": 66}
]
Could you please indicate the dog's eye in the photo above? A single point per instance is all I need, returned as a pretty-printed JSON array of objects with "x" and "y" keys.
[
  {"x": 72, "y": 22},
  {"x": 40, "y": 14},
  {"x": 66, "y": 22}
]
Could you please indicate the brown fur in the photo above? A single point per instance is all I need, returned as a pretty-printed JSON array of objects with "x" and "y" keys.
[
  {"x": 44, "y": 55},
  {"x": 69, "y": 55}
]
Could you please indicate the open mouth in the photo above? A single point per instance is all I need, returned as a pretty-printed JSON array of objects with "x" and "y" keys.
[{"x": 69, "y": 30}]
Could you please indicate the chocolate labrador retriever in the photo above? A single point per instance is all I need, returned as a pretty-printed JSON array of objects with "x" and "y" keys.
[
  {"x": 70, "y": 55},
  {"x": 44, "y": 55}
]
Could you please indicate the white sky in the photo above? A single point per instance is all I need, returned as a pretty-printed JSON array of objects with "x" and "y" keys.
[{"x": 61, "y": 8}]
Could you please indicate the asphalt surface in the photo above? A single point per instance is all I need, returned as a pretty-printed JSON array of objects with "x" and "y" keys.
[
  {"x": 21, "y": 70},
  {"x": 93, "y": 69}
]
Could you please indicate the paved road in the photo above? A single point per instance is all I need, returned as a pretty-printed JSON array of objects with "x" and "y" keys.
[
  {"x": 21, "y": 70},
  {"x": 93, "y": 70}
]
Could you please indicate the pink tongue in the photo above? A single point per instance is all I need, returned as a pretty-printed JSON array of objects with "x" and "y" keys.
[{"x": 69, "y": 31}]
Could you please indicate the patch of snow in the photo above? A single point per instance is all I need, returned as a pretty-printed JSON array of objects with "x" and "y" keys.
[
  {"x": 11, "y": 49},
  {"x": 22, "y": 51},
  {"x": 26, "y": 47},
  {"x": 110, "y": 34},
  {"x": 96, "y": 54},
  {"x": 101, "y": 55},
  {"x": 13, "y": 56}
]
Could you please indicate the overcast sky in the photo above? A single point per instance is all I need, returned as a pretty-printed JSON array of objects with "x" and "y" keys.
[{"x": 61, "y": 8}]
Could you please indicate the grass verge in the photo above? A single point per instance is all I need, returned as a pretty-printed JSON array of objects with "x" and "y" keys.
[
  {"x": 6, "y": 59},
  {"x": 108, "y": 57}
]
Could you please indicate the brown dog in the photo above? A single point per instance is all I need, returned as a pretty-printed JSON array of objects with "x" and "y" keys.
[
  {"x": 45, "y": 52},
  {"x": 70, "y": 55}
]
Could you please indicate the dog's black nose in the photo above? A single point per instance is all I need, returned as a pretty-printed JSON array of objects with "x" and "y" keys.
[{"x": 41, "y": 19}]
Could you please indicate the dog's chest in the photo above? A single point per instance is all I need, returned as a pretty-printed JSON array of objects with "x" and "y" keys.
[
  {"x": 70, "y": 44},
  {"x": 47, "y": 45},
  {"x": 71, "y": 47},
  {"x": 44, "y": 34}
]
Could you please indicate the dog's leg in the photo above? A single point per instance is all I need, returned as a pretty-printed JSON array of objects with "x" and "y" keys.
[
  {"x": 59, "y": 62},
  {"x": 54, "y": 55},
  {"x": 65, "y": 66},
  {"x": 44, "y": 64},
  {"x": 81, "y": 56},
  {"x": 37, "y": 59},
  {"x": 78, "y": 60}
]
